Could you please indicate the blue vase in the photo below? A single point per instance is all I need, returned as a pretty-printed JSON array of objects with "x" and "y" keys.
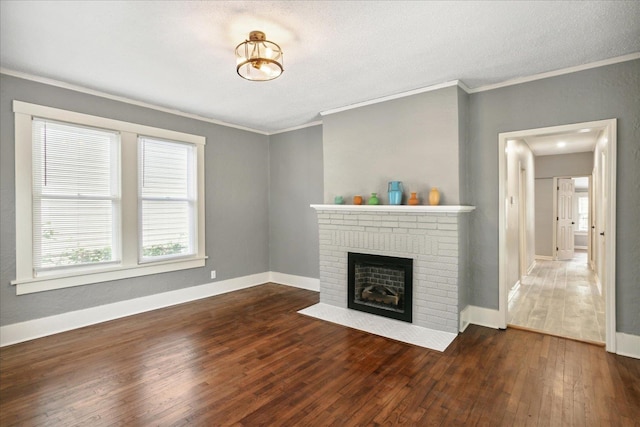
[{"x": 395, "y": 192}]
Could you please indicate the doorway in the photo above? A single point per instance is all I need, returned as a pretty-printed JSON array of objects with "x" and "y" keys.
[{"x": 603, "y": 218}]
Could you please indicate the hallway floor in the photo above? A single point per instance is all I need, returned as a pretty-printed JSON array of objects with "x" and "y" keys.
[{"x": 560, "y": 298}]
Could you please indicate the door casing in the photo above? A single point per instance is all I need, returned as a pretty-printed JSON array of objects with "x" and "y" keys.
[{"x": 609, "y": 128}]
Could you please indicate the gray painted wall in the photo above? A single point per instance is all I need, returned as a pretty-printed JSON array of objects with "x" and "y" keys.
[
  {"x": 295, "y": 160},
  {"x": 547, "y": 167},
  {"x": 413, "y": 140},
  {"x": 594, "y": 94},
  {"x": 544, "y": 216},
  {"x": 236, "y": 175}
]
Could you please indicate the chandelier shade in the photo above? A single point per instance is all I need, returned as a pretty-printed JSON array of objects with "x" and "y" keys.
[{"x": 258, "y": 59}]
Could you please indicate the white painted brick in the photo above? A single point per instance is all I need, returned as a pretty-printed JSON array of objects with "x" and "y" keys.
[
  {"x": 389, "y": 224},
  {"x": 431, "y": 292},
  {"x": 447, "y": 220},
  {"x": 447, "y": 246},
  {"x": 436, "y": 306},
  {"x": 447, "y": 288},
  {"x": 427, "y": 218},
  {"x": 448, "y": 253},
  {"x": 436, "y": 320},
  {"x": 427, "y": 226},
  {"x": 408, "y": 218},
  {"x": 448, "y": 227}
]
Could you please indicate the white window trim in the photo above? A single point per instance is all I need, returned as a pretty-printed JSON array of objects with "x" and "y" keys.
[{"x": 130, "y": 267}]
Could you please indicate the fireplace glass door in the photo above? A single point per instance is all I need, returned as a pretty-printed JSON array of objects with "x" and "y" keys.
[{"x": 380, "y": 285}]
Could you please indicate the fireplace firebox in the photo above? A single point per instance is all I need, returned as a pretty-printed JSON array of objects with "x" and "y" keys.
[{"x": 380, "y": 285}]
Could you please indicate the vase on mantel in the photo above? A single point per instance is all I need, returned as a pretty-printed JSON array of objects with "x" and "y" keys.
[
  {"x": 373, "y": 200},
  {"x": 434, "y": 196},
  {"x": 413, "y": 200},
  {"x": 395, "y": 192}
]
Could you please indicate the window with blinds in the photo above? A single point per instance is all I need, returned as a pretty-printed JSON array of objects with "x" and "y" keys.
[
  {"x": 167, "y": 193},
  {"x": 99, "y": 199},
  {"x": 76, "y": 196}
]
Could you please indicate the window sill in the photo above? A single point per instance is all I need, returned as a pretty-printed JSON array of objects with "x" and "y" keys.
[{"x": 48, "y": 283}]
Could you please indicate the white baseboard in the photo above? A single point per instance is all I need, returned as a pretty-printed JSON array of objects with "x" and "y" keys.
[
  {"x": 628, "y": 345},
  {"x": 36, "y": 328},
  {"x": 482, "y": 316},
  {"x": 531, "y": 267},
  {"x": 464, "y": 319},
  {"x": 544, "y": 257},
  {"x": 302, "y": 282}
]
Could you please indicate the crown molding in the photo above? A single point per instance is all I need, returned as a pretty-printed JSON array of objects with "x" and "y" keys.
[
  {"x": 392, "y": 97},
  {"x": 306, "y": 125},
  {"x": 560, "y": 72},
  {"x": 82, "y": 89}
]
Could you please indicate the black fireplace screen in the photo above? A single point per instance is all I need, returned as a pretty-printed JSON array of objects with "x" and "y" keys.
[{"x": 380, "y": 285}]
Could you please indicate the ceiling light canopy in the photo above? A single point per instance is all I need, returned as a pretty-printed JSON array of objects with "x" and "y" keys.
[{"x": 258, "y": 59}]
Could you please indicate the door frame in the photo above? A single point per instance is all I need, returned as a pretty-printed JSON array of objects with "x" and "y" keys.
[{"x": 609, "y": 128}]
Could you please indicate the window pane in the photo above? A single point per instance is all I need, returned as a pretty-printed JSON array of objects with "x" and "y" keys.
[
  {"x": 167, "y": 192},
  {"x": 583, "y": 213},
  {"x": 165, "y": 228},
  {"x": 72, "y": 160},
  {"x": 166, "y": 169},
  {"x": 74, "y": 232},
  {"x": 75, "y": 195}
]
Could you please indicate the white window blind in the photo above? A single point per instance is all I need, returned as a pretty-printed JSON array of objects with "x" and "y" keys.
[
  {"x": 76, "y": 195},
  {"x": 167, "y": 189}
]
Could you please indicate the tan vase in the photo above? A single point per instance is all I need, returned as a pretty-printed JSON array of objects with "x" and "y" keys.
[
  {"x": 357, "y": 200},
  {"x": 413, "y": 200},
  {"x": 434, "y": 196}
]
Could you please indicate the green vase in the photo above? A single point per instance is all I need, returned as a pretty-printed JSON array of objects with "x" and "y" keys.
[{"x": 373, "y": 200}]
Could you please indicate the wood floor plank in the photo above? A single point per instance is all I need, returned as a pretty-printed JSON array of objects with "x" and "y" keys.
[{"x": 247, "y": 358}]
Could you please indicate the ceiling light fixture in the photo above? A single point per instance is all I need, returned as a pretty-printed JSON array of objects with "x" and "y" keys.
[
  {"x": 258, "y": 59},
  {"x": 561, "y": 144}
]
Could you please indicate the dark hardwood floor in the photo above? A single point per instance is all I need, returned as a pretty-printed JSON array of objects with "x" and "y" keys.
[{"x": 247, "y": 358}]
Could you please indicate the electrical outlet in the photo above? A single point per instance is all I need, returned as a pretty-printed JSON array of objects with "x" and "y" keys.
[{"x": 213, "y": 274}]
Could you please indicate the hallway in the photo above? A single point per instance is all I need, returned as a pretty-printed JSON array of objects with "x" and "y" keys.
[{"x": 560, "y": 298}]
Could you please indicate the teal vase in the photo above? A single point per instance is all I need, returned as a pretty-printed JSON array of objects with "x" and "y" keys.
[
  {"x": 373, "y": 200},
  {"x": 395, "y": 192}
]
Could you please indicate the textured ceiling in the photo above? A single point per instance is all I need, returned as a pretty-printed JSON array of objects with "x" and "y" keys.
[{"x": 179, "y": 54}]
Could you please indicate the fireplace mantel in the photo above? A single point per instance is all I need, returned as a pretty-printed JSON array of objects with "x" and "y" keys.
[{"x": 396, "y": 208}]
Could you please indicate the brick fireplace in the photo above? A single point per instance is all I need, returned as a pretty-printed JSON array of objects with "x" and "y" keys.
[{"x": 432, "y": 237}]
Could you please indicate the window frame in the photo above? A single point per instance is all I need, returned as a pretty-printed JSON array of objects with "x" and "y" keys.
[{"x": 26, "y": 282}]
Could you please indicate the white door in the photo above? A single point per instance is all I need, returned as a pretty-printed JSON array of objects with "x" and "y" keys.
[{"x": 565, "y": 219}]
